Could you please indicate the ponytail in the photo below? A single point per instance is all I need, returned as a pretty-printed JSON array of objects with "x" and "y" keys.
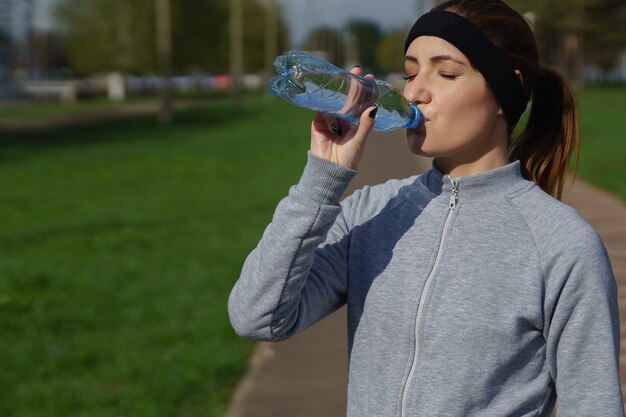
[{"x": 551, "y": 133}]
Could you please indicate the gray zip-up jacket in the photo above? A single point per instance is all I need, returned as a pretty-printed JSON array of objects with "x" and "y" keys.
[{"x": 476, "y": 296}]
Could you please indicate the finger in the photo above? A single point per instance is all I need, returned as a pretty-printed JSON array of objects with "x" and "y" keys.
[
  {"x": 356, "y": 70},
  {"x": 320, "y": 122},
  {"x": 369, "y": 76},
  {"x": 337, "y": 128},
  {"x": 333, "y": 124}
]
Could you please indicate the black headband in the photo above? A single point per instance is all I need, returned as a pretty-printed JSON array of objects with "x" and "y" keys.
[{"x": 483, "y": 54}]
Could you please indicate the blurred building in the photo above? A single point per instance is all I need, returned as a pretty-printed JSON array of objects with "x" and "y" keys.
[
  {"x": 6, "y": 30},
  {"x": 20, "y": 21},
  {"x": 16, "y": 26},
  {"x": 5, "y": 16},
  {"x": 18, "y": 17}
]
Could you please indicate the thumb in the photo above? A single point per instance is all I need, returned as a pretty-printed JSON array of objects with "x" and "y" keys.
[{"x": 366, "y": 124}]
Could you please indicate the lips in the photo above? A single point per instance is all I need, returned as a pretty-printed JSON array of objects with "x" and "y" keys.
[{"x": 422, "y": 126}]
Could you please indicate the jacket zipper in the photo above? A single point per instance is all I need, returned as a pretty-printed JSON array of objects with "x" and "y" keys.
[{"x": 454, "y": 199}]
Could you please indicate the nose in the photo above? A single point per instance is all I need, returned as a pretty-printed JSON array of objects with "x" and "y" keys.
[{"x": 416, "y": 91}]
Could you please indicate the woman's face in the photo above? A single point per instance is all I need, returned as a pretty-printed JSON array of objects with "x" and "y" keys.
[{"x": 463, "y": 119}]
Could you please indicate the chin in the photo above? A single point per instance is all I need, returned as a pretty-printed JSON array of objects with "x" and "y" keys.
[{"x": 415, "y": 141}]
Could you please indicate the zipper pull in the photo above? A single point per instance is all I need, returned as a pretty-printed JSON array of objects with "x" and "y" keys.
[{"x": 454, "y": 198}]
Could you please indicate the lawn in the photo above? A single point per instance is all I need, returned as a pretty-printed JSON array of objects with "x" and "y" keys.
[
  {"x": 50, "y": 109},
  {"x": 120, "y": 243},
  {"x": 603, "y": 138}
]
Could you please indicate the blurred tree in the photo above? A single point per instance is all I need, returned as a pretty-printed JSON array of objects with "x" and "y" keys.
[
  {"x": 367, "y": 34},
  {"x": 50, "y": 50},
  {"x": 605, "y": 34},
  {"x": 4, "y": 39},
  {"x": 200, "y": 35},
  {"x": 254, "y": 35},
  {"x": 572, "y": 32},
  {"x": 5, "y": 42},
  {"x": 330, "y": 41},
  {"x": 5, "y": 50},
  {"x": 163, "y": 25},
  {"x": 105, "y": 35},
  {"x": 390, "y": 51}
]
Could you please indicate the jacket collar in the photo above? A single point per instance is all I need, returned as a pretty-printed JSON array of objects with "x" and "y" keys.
[{"x": 498, "y": 182}]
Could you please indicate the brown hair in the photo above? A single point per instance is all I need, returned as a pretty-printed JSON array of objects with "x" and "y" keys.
[{"x": 551, "y": 133}]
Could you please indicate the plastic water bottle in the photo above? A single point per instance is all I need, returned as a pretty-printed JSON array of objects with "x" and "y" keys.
[{"x": 308, "y": 81}]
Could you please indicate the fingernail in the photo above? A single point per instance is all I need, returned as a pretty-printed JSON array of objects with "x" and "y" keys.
[
  {"x": 337, "y": 129},
  {"x": 373, "y": 113}
]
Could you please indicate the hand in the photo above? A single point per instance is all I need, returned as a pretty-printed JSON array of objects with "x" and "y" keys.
[{"x": 339, "y": 141}]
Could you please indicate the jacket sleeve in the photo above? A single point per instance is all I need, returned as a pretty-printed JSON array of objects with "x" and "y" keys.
[
  {"x": 584, "y": 335},
  {"x": 297, "y": 274}
]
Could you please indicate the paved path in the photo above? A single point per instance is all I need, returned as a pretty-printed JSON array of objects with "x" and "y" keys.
[{"x": 307, "y": 375}]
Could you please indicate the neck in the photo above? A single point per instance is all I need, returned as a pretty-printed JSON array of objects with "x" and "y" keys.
[
  {"x": 493, "y": 154},
  {"x": 459, "y": 168}
]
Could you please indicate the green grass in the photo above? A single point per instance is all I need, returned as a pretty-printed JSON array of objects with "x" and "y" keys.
[
  {"x": 603, "y": 138},
  {"x": 603, "y": 141},
  {"x": 120, "y": 243},
  {"x": 33, "y": 111}
]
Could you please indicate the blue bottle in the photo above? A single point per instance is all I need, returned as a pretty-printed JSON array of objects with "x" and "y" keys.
[{"x": 308, "y": 81}]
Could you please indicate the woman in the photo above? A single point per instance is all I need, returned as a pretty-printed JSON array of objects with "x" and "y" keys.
[{"x": 471, "y": 290}]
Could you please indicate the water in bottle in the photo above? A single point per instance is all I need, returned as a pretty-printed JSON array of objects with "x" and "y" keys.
[{"x": 308, "y": 81}]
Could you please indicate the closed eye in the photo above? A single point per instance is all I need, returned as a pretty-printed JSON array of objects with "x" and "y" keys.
[
  {"x": 449, "y": 76},
  {"x": 409, "y": 77}
]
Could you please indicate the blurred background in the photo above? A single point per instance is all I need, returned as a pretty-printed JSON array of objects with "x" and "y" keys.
[
  {"x": 72, "y": 50},
  {"x": 141, "y": 157}
]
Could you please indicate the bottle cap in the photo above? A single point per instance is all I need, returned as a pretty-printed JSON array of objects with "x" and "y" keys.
[{"x": 416, "y": 118}]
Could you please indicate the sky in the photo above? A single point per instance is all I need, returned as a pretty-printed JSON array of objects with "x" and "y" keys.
[{"x": 304, "y": 15}]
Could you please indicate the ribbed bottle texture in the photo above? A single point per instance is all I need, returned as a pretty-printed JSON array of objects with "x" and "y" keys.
[{"x": 308, "y": 81}]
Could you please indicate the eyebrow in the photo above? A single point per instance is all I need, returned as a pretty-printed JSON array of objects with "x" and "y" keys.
[{"x": 435, "y": 59}]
